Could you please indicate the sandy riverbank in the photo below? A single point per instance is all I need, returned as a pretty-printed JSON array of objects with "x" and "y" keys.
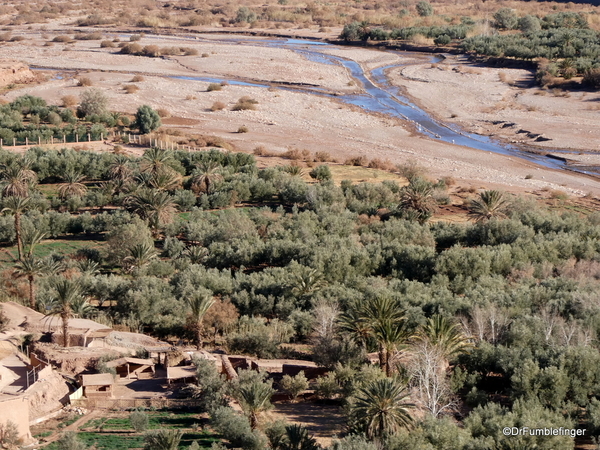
[{"x": 286, "y": 118}]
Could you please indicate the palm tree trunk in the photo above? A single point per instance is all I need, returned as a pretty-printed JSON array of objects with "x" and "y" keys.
[
  {"x": 65, "y": 321},
  {"x": 198, "y": 335},
  {"x": 383, "y": 360},
  {"x": 31, "y": 293},
  {"x": 18, "y": 234},
  {"x": 253, "y": 420}
]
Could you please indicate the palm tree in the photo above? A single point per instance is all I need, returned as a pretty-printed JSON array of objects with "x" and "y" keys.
[
  {"x": 196, "y": 254},
  {"x": 87, "y": 266},
  {"x": 364, "y": 30},
  {"x": 16, "y": 179},
  {"x": 199, "y": 304},
  {"x": 165, "y": 179},
  {"x": 157, "y": 207},
  {"x": 156, "y": 159},
  {"x": 67, "y": 295},
  {"x": 255, "y": 398},
  {"x": 380, "y": 408},
  {"x": 445, "y": 335},
  {"x": 387, "y": 325},
  {"x": 297, "y": 438},
  {"x": 353, "y": 321},
  {"x": 82, "y": 308},
  {"x": 31, "y": 238},
  {"x": 140, "y": 255},
  {"x": 417, "y": 199},
  {"x": 162, "y": 439},
  {"x": 17, "y": 206},
  {"x": 490, "y": 205},
  {"x": 73, "y": 185},
  {"x": 120, "y": 169},
  {"x": 306, "y": 281},
  {"x": 30, "y": 268},
  {"x": 205, "y": 176}
]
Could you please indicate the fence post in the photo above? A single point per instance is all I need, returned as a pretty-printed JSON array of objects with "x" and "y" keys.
[
  {"x": 14, "y": 142},
  {"x": 26, "y": 141},
  {"x": 0, "y": 142},
  {"x": 52, "y": 140},
  {"x": 64, "y": 138},
  {"x": 89, "y": 138},
  {"x": 76, "y": 137}
]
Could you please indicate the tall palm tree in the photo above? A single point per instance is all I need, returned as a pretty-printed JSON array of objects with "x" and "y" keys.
[
  {"x": 380, "y": 408},
  {"x": 387, "y": 325},
  {"x": 490, "y": 205},
  {"x": 199, "y": 304},
  {"x": 16, "y": 179},
  {"x": 205, "y": 176},
  {"x": 67, "y": 295},
  {"x": 417, "y": 199},
  {"x": 30, "y": 268},
  {"x": 140, "y": 255},
  {"x": 17, "y": 206},
  {"x": 445, "y": 335},
  {"x": 255, "y": 398},
  {"x": 157, "y": 207},
  {"x": 163, "y": 439},
  {"x": 73, "y": 185}
]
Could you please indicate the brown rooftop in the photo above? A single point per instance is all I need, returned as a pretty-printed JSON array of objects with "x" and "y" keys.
[{"x": 99, "y": 379}]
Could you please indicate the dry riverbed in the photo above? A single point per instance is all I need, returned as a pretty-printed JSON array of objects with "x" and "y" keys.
[{"x": 454, "y": 90}]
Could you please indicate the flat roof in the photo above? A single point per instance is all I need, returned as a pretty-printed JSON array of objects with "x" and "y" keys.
[
  {"x": 138, "y": 361},
  {"x": 174, "y": 373},
  {"x": 98, "y": 379}
]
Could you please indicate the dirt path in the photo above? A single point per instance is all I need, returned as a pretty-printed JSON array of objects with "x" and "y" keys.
[{"x": 73, "y": 427}]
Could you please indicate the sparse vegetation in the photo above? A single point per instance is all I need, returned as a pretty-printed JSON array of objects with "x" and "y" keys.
[{"x": 245, "y": 103}]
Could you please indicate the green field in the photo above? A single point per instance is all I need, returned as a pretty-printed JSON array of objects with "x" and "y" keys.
[{"x": 116, "y": 433}]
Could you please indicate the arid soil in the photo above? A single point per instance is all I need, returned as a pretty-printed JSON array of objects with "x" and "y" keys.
[
  {"x": 502, "y": 102},
  {"x": 453, "y": 90}
]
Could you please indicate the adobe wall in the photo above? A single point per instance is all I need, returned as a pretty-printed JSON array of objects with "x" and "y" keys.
[{"x": 16, "y": 410}]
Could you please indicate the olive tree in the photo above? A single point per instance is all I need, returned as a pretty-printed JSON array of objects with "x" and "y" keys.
[{"x": 147, "y": 119}]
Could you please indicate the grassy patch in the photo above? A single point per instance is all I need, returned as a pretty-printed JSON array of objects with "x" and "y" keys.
[
  {"x": 68, "y": 422},
  {"x": 94, "y": 423},
  {"x": 46, "y": 248},
  {"x": 42, "y": 435}
]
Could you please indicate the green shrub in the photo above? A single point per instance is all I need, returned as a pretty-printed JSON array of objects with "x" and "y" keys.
[
  {"x": 321, "y": 173},
  {"x": 424, "y": 9},
  {"x": 139, "y": 421},
  {"x": 293, "y": 386}
]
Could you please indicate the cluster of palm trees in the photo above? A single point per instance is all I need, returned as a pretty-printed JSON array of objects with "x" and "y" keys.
[
  {"x": 382, "y": 407},
  {"x": 417, "y": 202},
  {"x": 148, "y": 191},
  {"x": 17, "y": 181}
]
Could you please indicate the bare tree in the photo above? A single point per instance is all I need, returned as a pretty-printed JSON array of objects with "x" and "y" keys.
[
  {"x": 488, "y": 323},
  {"x": 429, "y": 378},
  {"x": 325, "y": 319}
]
